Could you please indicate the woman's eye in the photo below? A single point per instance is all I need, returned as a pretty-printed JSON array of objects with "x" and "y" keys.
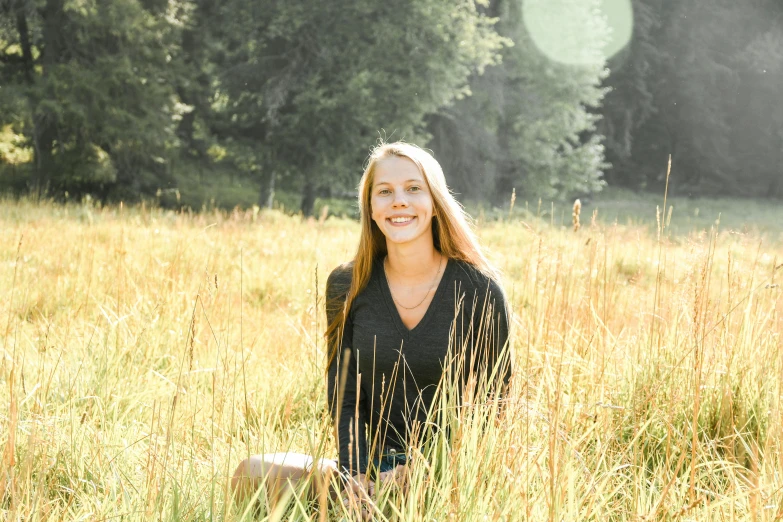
[
  {"x": 414, "y": 188},
  {"x": 383, "y": 192}
]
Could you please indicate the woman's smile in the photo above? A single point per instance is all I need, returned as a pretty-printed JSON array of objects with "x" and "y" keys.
[{"x": 401, "y": 221}]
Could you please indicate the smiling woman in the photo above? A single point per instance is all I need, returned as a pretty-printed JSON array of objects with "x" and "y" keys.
[
  {"x": 401, "y": 202},
  {"x": 418, "y": 303},
  {"x": 402, "y": 209}
]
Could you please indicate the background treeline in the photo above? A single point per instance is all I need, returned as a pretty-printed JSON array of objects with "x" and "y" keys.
[{"x": 195, "y": 100}]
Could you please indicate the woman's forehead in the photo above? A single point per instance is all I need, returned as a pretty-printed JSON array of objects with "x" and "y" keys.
[{"x": 396, "y": 169}]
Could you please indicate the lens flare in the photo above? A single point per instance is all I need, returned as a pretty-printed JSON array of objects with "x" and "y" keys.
[{"x": 579, "y": 32}]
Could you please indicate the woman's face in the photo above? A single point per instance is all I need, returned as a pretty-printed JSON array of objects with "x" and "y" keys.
[{"x": 400, "y": 201}]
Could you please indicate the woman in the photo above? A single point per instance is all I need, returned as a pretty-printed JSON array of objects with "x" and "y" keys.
[{"x": 419, "y": 296}]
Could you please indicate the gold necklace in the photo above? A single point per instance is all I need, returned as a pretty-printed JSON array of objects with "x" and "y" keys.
[{"x": 434, "y": 281}]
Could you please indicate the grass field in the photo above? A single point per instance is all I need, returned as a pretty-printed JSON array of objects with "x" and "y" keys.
[{"x": 144, "y": 353}]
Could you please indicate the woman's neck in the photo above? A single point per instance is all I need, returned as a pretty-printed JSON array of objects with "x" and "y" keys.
[{"x": 412, "y": 263}]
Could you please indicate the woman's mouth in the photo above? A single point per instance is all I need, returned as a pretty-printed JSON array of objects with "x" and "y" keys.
[{"x": 400, "y": 221}]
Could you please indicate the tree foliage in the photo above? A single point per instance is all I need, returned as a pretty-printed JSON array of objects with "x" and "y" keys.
[
  {"x": 701, "y": 82},
  {"x": 97, "y": 104},
  {"x": 123, "y": 99},
  {"x": 530, "y": 122},
  {"x": 326, "y": 81}
]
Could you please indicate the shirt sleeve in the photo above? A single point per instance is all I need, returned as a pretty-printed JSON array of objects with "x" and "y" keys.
[
  {"x": 345, "y": 396},
  {"x": 492, "y": 350}
]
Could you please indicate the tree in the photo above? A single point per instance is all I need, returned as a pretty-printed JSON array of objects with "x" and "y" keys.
[
  {"x": 529, "y": 124},
  {"x": 756, "y": 136},
  {"x": 98, "y": 100},
  {"x": 700, "y": 83},
  {"x": 630, "y": 102},
  {"x": 312, "y": 84}
]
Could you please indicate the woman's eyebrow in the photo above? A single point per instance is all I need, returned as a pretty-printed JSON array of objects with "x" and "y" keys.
[{"x": 406, "y": 181}]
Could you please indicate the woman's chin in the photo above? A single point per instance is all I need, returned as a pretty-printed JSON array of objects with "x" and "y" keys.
[
  {"x": 403, "y": 237},
  {"x": 397, "y": 238}
]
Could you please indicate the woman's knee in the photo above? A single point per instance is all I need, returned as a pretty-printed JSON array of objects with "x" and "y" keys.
[
  {"x": 245, "y": 480},
  {"x": 278, "y": 471}
]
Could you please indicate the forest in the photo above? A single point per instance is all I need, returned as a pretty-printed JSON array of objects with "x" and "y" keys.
[{"x": 190, "y": 101}]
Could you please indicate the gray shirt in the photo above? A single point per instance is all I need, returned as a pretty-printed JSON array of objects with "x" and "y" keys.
[{"x": 392, "y": 373}]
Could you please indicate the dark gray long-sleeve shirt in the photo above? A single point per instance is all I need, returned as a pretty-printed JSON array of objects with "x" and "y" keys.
[{"x": 392, "y": 373}]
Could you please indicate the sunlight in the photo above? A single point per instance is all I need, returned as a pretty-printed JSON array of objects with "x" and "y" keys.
[{"x": 570, "y": 32}]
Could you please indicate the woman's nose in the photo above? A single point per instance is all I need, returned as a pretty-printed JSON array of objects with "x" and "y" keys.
[{"x": 400, "y": 198}]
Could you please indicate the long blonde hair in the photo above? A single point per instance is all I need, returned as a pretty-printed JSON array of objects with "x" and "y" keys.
[{"x": 452, "y": 229}]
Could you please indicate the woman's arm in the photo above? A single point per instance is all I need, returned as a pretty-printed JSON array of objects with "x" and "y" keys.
[
  {"x": 491, "y": 318},
  {"x": 346, "y": 400}
]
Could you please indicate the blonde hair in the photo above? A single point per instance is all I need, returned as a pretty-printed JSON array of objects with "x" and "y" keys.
[{"x": 452, "y": 229}]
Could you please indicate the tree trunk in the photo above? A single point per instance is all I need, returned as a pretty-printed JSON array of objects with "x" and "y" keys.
[
  {"x": 24, "y": 40},
  {"x": 271, "y": 198},
  {"x": 28, "y": 66},
  {"x": 45, "y": 124},
  {"x": 308, "y": 199},
  {"x": 266, "y": 193}
]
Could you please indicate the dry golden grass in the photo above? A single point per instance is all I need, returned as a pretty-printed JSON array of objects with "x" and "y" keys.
[{"x": 144, "y": 353}]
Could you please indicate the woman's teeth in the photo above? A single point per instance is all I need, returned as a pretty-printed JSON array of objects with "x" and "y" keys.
[{"x": 401, "y": 219}]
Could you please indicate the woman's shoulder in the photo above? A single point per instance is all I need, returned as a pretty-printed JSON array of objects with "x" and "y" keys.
[
  {"x": 339, "y": 280},
  {"x": 474, "y": 279}
]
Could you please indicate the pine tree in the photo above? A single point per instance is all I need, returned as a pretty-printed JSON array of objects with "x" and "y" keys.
[{"x": 98, "y": 101}]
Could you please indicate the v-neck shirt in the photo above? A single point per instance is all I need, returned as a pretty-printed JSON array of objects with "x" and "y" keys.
[
  {"x": 392, "y": 372},
  {"x": 394, "y": 311}
]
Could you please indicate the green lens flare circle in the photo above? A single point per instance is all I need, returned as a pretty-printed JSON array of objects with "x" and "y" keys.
[{"x": 579, "y": 32}]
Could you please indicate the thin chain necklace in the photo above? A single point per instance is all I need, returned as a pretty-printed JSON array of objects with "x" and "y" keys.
[{"x": 434, "y": 281}]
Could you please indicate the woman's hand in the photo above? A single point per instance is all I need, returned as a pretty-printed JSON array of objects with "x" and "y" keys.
[
  {"x": 356, "y": 495},
  {"x": 396, "y": 476},
  {"x": 359, "y": 490}
]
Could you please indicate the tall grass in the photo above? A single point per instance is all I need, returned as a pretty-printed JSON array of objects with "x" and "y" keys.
[{"x": 144, "y": 353}]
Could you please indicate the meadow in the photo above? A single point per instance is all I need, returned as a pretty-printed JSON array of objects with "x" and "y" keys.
[{"x": 144, "y": 352}]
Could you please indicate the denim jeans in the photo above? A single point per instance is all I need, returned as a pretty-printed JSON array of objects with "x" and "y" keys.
[{"x": 388, "y": 461}]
